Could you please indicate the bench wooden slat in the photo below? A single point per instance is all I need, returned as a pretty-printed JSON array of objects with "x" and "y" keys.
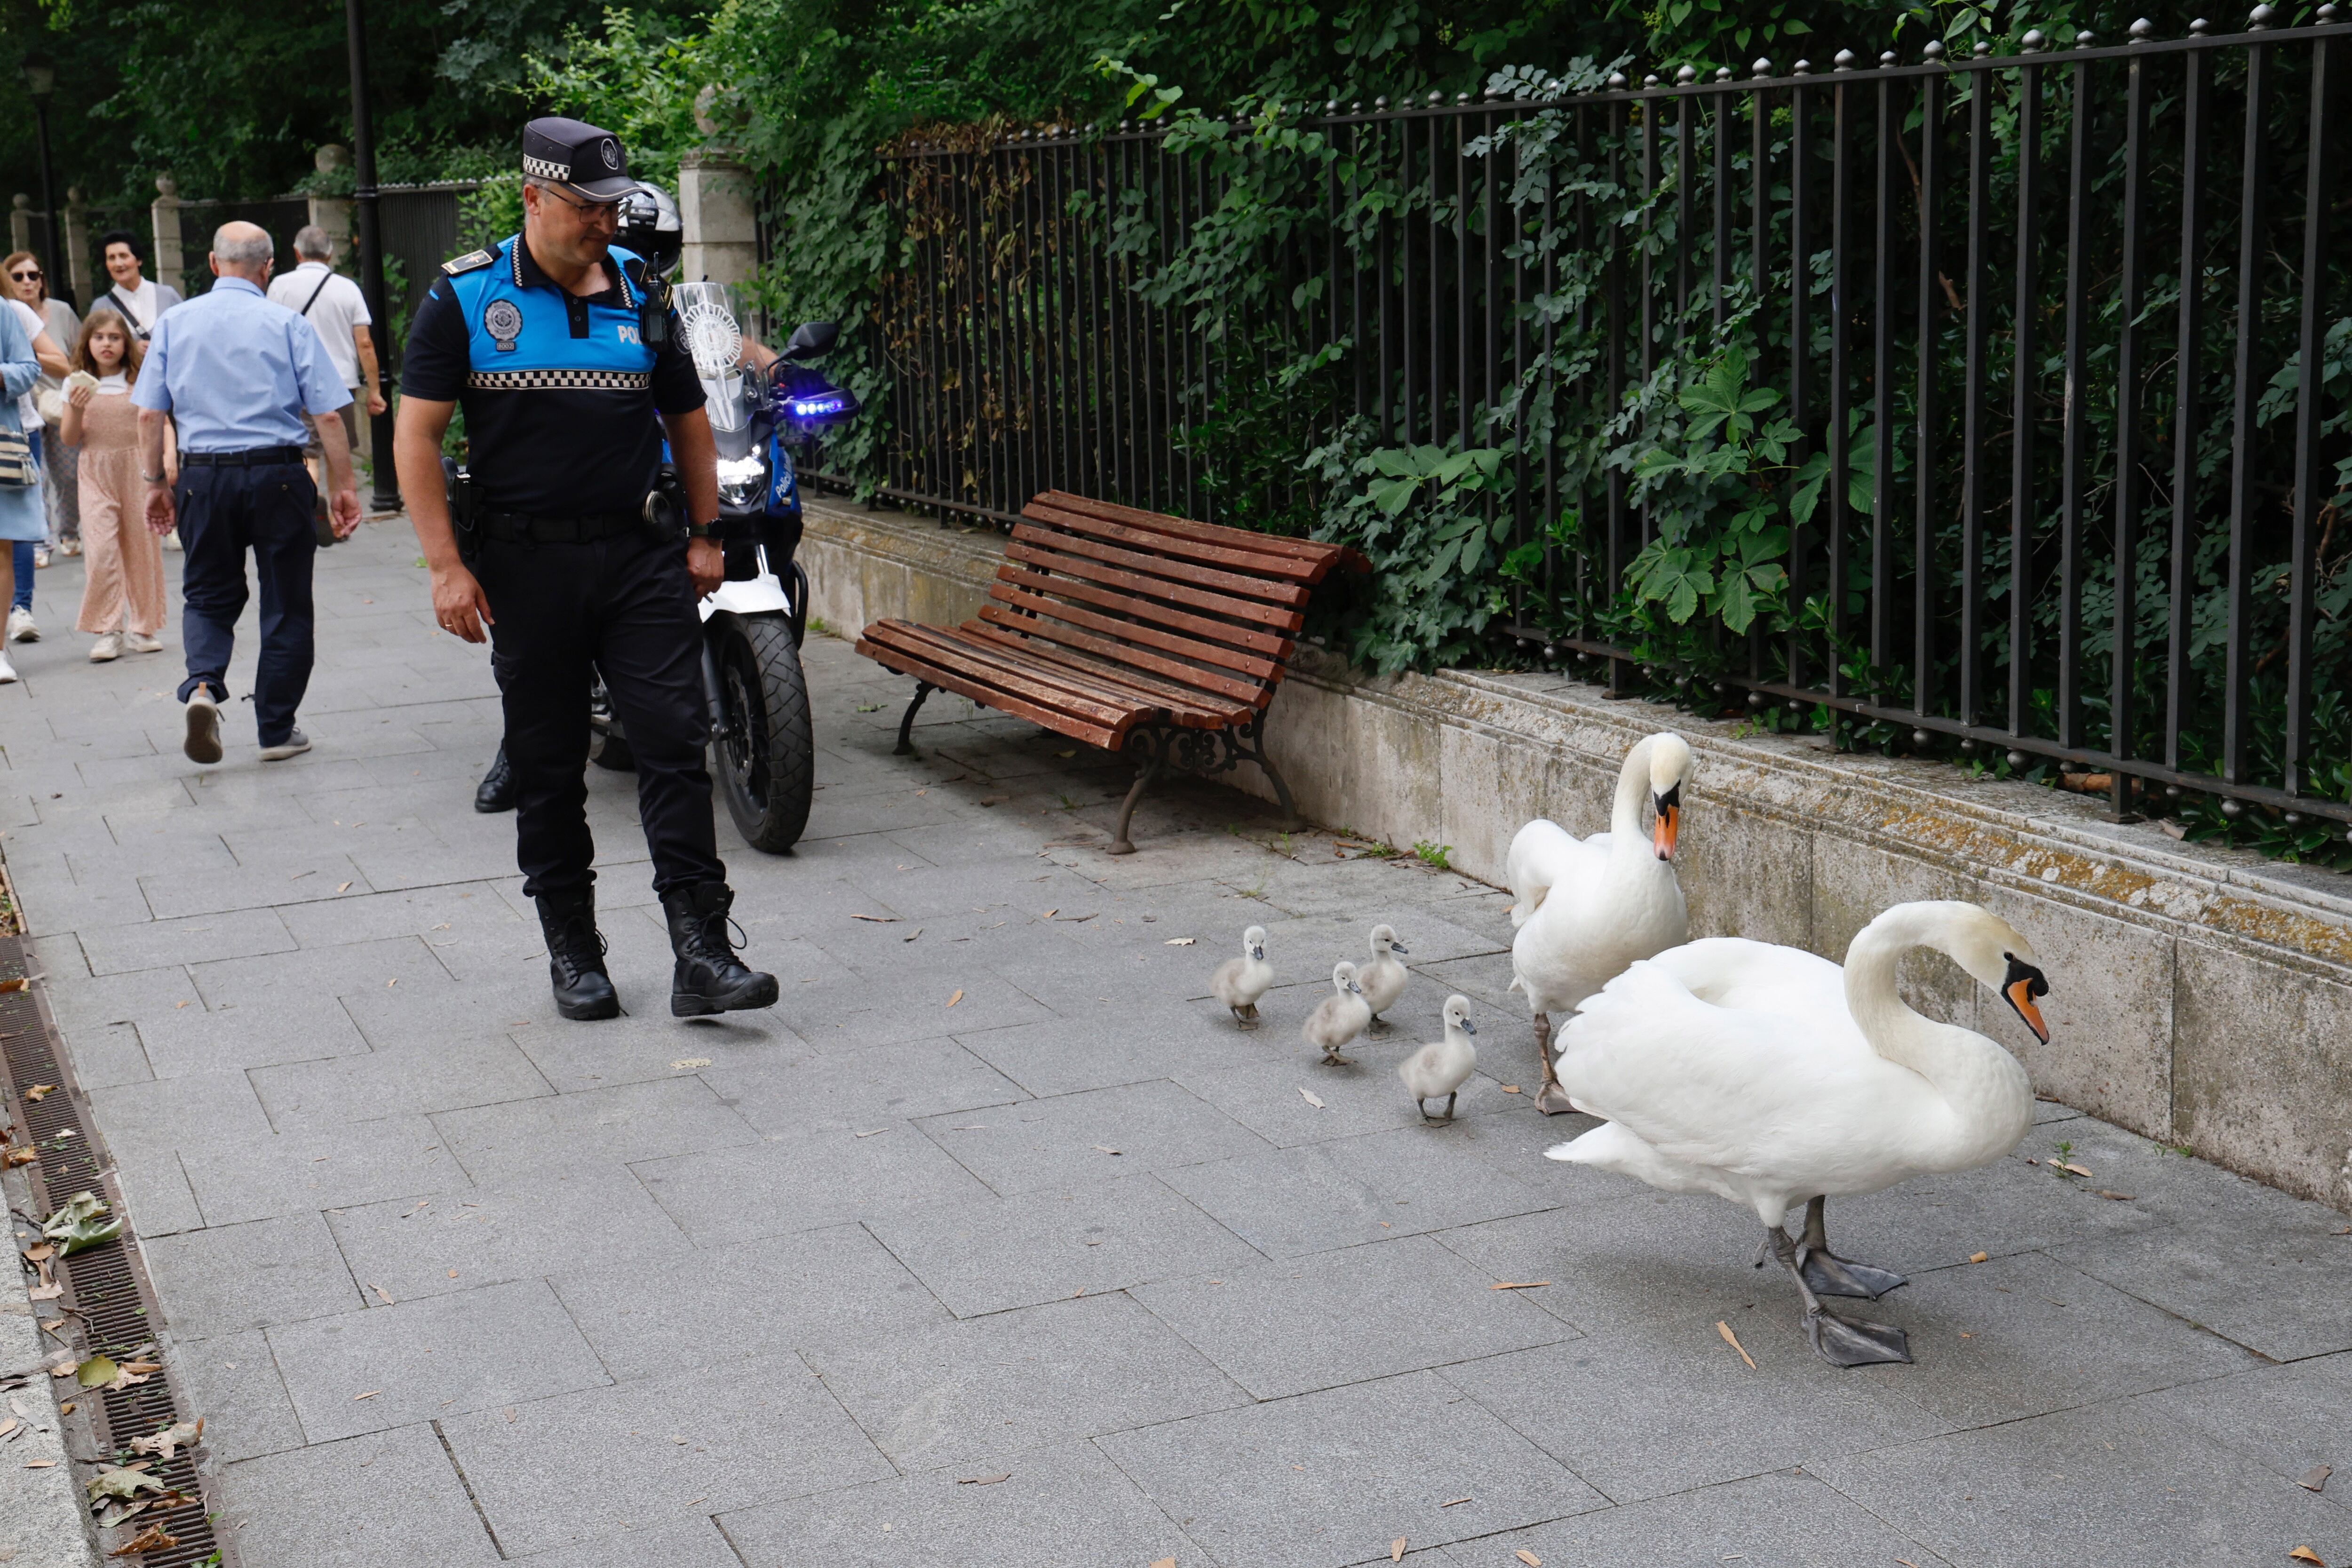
[
  {"x": 943, "y": 649},
  {"x": 1318, "y": 552},
  {"x": 1237, "y": 572},
  {"x": 1256, "y": 693},
  {"x": 1192, "y": 709},
  {"x": 989, "y": 697},
  {"x": 1260, "y": 670},
  {"x": 1266, "y": 644},
  {"x": 1282, "y": 620}
]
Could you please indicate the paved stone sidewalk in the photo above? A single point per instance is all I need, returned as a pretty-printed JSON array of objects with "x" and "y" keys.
[{"x": 994, "y": 1243}]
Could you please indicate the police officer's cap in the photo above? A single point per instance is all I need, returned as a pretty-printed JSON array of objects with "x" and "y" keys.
[{"x": 585, "y": 157}]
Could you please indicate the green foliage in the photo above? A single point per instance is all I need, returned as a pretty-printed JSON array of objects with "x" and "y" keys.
[{"x": 1431, "y": 854}]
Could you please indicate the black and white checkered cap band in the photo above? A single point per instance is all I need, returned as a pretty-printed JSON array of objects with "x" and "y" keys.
[
  {"x": 541, "y": 169},
  {"x": 560, "y": 379}
]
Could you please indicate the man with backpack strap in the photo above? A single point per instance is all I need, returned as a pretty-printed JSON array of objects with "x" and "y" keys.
[{"x": 334, "y": 305}]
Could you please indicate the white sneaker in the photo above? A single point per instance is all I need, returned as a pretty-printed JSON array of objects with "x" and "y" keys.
[
  {"x": 70, "y": 546},
  {"x": 8, "y": 670},
  {"x": 202, "y": 745},
  {"x": 22, "y": 627},
  {"x": 293, "y": 745},
  {"x": 140, "y": 642},
  {"x": 107, "y": 649},
  {"x": 41, "y": 556},
  {"x": 172, "y": 540}
]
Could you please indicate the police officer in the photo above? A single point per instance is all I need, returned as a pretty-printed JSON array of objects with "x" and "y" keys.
[{"x": 561, "y": 348}]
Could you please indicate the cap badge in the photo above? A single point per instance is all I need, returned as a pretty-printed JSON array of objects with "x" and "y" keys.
[
  {"x": 502, "y": 319},
  {"x": 610, "y": 152}
]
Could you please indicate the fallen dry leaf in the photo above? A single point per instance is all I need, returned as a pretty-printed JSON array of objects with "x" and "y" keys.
[
  {"x": 688, "y": 1064},
  {"x": 66, "y": 1409},
  {"x": 382, "y": 1294},
  {"x": 169, "y": 1441},
  {"x": 1530, "y": 1558},
  {"x": 1049, "y": 914},
  {"x": 1733, "y": 1340},
  {"x": 151, "y": 1539},
  {"x": 39, "y": 1092},
  {"x": 15, "y": 1157},
  {"x": 1979, "y": 1257},
  {"x": 1178, "y": 941},
  {"x": 98, "y": 1371},
  {"x": 371, "y": 1393},
  {"x": 878, "y": 920},
  {"x": 39, "y": 1464},
  {"x": 1454, "y": 1502},
  {"x": 124, "y": 1483},
  {"x": 8, "y": 985},
  {"x": 956, "y": 998},
  {"x": 1396, "y": 1550},
  {"x": 2315, "y": 1478},
  {"x": 984, "y": 1481},
  {"x": 1520, "y": 1285},
  {"x": 2114, "y": 1197},
  {"x": 2071, "y": 1169},
  {"x": 39, "y": 1252},
  {"x": 1165, "y": 1562},
  {"x": 1309, "y": 1098},
  {"x": 876, "y": 1133},
  {"x": 1106, "y": 1148},
  {"x": 1510, "y": 1089},
  {"x": 2305, "y": 1554}
]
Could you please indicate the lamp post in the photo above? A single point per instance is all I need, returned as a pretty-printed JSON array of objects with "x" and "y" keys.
[
  {"x": 363, "y": 213},
  {"x": 40, "y": 80}
]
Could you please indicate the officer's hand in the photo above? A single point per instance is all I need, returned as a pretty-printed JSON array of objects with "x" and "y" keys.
[
  {"x": 460, "y": 604},
  {"x": 707, "y": 565},
  {"x": 345, "y": 509},
  {"x": 160, "y": 511}
]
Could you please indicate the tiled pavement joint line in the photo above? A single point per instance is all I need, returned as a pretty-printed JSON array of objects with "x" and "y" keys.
[
  {"x": 728, "y": 1536},
  {"x": 466, "y": 1481}
]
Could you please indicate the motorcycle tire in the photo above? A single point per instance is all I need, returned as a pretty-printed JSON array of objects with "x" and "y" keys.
[
  {"x": 607, "y": 750},
  {"x": 765, "y": 757}
]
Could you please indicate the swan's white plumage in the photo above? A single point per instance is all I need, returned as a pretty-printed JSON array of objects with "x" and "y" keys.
[
  {"x": 1238, "y": 982},
  {"x": 1441, "y": 1066},
  {"x": 1338, "y": 1017},
  {"x": 1382, "y": 979},
  {"x": 1768, "y": 1075}
]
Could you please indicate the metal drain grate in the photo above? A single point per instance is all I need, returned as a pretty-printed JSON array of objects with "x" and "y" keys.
[{"x": 113, "y": 1306}]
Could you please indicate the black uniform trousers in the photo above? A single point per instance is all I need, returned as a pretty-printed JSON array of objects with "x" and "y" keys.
[
  {"x": 223, "y": 513},
  {"x": 623, "y": 606}
]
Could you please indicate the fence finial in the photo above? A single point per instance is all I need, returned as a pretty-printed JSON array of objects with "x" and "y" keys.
[
  {"x": 1845, "y": 61},
  {"x": 2200, "y": 28},
  {"x": 2142, "y": 31},
  {"x": 1723, "y": 73},
  {"x": 1650, "y": 81},
  {"x": 2258, "y": 20},
  {"x": 2083, "y": 39},
  {"x": 1379, "y": 103},
  {"x": 2032, "y": 41},
  {"x": 1934, "y": 51},
  {"x": 1687, "y": 76},
  {"x": 1802, "y": 67},
  {"x": 1984, "y": 47},
  {"x": 1763, "y": 67},
  {"x": 2326, "y": 14},
  {"x": 1889, "y": 60},
  {"x": 1617, "y": 82}
]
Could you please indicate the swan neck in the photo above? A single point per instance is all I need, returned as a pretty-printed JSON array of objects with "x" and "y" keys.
[
  {"x": 1632, "y": 783},
  {"x": 1981, "y": 1084}
]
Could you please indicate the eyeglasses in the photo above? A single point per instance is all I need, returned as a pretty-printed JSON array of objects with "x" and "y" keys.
[
  {"x": 31, "y": 276},
  {"x": 592, "y": 211}
]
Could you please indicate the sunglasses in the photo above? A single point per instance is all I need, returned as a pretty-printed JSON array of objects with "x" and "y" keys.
[
  {"x": 592, "y": 210},
  {"x": 25, "y": 276}
]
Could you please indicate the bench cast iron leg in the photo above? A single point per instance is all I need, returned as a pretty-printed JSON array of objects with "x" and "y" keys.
[
  {"x": 905, "y": 747},
  {"x": 1290, "y": 823},
  {"x": 1143, "y": 777}
]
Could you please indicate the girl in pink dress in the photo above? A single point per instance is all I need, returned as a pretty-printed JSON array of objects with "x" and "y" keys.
[{"x": 122, "y": 593}]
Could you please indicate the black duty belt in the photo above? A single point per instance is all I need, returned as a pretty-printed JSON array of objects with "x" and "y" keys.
[
  {"x": 257, "y": 458},
  {"x": 517, "y": 528}
]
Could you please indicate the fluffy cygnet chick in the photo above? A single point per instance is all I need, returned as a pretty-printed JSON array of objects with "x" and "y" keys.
[
  {"x": 1442, "y": 1066},
  {"x": 1338, "y": 1017},
  {"x": 1382, "y": 980},
  {"x": 1240, "y": 982}
]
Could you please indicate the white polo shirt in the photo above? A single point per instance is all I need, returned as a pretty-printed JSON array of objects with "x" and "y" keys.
[{"x": 338, "y": 308}]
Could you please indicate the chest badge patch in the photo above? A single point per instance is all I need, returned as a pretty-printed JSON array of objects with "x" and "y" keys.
[{"x": 502, "y": 319}]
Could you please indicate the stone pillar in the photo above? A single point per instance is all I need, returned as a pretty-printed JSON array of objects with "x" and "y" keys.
[
  {"x": 20, "y": 223},
  {"x": 333, "y": 214},
  {"x": 79, "y": 274},
  {"x": 165, "y": 212},
  {"x": 715, "y": 210}
]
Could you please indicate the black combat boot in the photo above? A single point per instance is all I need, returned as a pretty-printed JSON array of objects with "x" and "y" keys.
[
  {"x": 575, "y": 956},
  {"x": 710, "y": 978},
  {"x": 497, "y": 790}
]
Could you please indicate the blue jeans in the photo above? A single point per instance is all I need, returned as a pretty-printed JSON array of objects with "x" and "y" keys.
[
  {"x": 25, "y": 548},
  {"x": 224, "y": 513}
]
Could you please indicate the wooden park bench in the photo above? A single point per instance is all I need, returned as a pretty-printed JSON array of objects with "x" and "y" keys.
[{"x": 1133, "y": 631}]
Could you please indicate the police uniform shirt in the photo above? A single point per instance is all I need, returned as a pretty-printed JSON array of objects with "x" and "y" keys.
[{"x": 559, "y": 390}]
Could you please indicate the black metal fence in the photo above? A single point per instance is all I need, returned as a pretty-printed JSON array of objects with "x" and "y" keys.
[{"x": 2022, "y": 454}]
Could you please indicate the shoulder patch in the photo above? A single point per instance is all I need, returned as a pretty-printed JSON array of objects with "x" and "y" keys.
[{"x": 472, "y": 261}]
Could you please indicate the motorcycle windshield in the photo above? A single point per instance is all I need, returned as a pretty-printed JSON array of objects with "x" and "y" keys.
[{"x": 708, "y": 324}]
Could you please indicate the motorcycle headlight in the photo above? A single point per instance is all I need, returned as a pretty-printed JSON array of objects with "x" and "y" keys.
[{"x": 740, "y": 481}]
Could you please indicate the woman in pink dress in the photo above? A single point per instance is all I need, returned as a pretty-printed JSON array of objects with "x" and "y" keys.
[{"x": 122, "y": 592}]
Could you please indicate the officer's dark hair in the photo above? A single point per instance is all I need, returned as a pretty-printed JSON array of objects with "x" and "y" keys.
[{"x": 122, "y": 236}]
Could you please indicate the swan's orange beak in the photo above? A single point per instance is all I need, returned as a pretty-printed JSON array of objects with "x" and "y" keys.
[
  {"x": 2020, "y": 993},
  {"x": 1670, "y": 817}
]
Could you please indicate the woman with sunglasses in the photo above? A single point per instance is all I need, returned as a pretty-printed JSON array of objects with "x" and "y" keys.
[{"x": 51, "y": 322}]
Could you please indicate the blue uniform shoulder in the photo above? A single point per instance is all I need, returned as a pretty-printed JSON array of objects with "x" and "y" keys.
[{"x": 472, "y": 261}]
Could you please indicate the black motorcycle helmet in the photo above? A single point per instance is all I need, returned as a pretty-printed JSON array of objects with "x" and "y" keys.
[{"x": 650, "y": 226}]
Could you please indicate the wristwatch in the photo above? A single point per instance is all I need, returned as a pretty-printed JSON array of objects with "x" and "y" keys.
[{"x": 703, "y": 530}]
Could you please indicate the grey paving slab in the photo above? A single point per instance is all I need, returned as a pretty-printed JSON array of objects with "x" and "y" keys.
[
  {"x": 1091, "y": 1135},
  {"x": 1331, "y": 1478},
  {"x": 155, "y": 1188},
  {"x": 2283, "y": 1289},
  {"x": 1269, "y": 1097},
  {"x": 360, "y": 967},
  {"x": 111, "y": 1055},
  {"x": 1049, "y": 1245},
  {"x": 2067, "y": 1486},
  {"x": 242, "y": 933},
  {"x": 1350, "y": 1316},
  {"x": 392, "y": 1364},
  {"x": 654, "y": 1452},
  {"x": 854, "y": 1012},
  {"x": 806, "y": 1180},
  {"x": 986, "y": 1388},
  {"x": 235, "y": 1180},
  {"x": 688, "y": 1543},
  {"x": 611, "y": 1051},
  {"x": 1103, "y": 1047},
  {"x": 181, "y": 1041},
  {"x": 2286, "y": 1419},
  {"x": 167, "y": 1112},
  {"x": 227, "y": 1277},
  {"x": 625, "y": 1122},
  {"x": 1783, "y": 1521},
  {"x": 904, "y": 1080},
  {"x": 753, "y": 1300},
  {"x": 1065, "y": 1507},
  {"x": 533, "y": 1226},
  {"x": 390, "y": 1499},
  {"x": 1354, "y": 1190},
  {"x": 412, "y": 1081},
  {"x": 233, "y": 1379},
  {"x": 176, "y": 895}
]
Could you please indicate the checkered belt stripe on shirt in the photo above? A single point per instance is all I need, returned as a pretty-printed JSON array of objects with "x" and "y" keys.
[{"x": 560, "y": 379}]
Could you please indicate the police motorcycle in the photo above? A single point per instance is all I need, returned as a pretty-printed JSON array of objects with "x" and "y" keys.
[{"x": 763, "y": 750}]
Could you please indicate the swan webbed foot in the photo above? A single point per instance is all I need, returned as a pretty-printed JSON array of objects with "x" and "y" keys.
[
  {"x": 1245, "y": 1017},
  {"x": 1829, "y": 1275},
  {"x": 1449, "y": 1104},
  {"x": 1847, "y": 1342},
  {"x": 1552, "y": 1100},
  {"x": 1334, "y": 1060},
  {"x": 1379, "y": 1026}
]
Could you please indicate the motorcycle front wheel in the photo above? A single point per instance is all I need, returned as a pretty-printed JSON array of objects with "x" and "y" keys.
[{"x": 765, "y": 753}]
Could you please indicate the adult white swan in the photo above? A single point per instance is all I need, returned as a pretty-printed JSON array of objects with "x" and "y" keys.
[
  {"x": 1587, "y": 908},
  {"x": 1767, "y": 1076}
]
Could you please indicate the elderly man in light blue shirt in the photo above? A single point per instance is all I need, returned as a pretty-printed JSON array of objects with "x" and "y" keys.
[{"x": 235, "y": 374}]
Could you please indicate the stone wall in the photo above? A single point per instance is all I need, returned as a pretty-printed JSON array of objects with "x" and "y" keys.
[{"x": 2201, "y": 998}]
